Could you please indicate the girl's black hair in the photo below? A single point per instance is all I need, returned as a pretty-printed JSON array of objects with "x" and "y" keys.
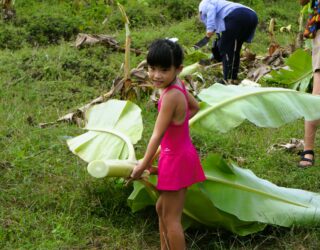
[{"x": 165, "y": 53}]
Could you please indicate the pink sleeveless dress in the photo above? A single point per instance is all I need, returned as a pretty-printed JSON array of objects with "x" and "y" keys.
[{"x": 179, "y": 165}]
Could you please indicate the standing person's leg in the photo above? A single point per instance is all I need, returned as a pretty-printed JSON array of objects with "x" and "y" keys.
[
  {"x": 231, "y": 58},
  {"x": 310, "y": 129},
  {"x": 227, "y": 52},
  {"x": 307, "y": 156},
  {"x": 240, "y": 26},
  {"x": 236, "y": 60},
  {"x": 170, "y": 212}
]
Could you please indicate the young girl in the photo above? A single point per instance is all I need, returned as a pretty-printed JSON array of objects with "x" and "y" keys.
[{"x": 179, "y": 164}]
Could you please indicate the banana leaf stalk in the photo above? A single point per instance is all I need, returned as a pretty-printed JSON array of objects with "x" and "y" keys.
[
  {"x": 299, "y": 38},
  {"x": 114, "y": 168},
  {"x": 111, "y": 168},
  {"x": 128, "y": 43}
]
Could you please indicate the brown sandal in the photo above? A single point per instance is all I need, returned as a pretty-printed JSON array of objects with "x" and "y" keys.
[{"x": 303, "y": 158}]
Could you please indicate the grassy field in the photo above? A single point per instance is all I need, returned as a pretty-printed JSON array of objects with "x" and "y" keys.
[{"x": 47, "y": 199}]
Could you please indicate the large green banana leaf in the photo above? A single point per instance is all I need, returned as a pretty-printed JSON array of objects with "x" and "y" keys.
[
  {"x": 113, "y": 127},
  {"x": 250, "y": 198},
  {"x": 223, "y": 199},
  {"x": 299, "y": 73},
  {"x": 225, "y": 107},
  {"x": 198, "y": 210},
  {"x": 236, "y": 199}
]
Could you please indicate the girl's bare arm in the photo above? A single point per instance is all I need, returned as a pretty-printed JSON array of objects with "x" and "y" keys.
[{"x": 164, "y": 118}]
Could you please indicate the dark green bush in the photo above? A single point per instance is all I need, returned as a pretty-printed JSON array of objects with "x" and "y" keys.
[
  {"x": 276, "y": 13},
  {"x": 139, "y": 13},
  {"x": 93, "y": 15},
  {"x": 11, "y": 37},
  {"x": 180, "y": 9},
  {"x": 43, "y": 29}
]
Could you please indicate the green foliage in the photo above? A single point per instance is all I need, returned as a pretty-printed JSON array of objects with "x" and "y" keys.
[
  {"x": 44, "y": 29},
  {"x": 139, "y": 14},
  {"x": 11, "y": 37},
  {"x": 193, "y": 56},
  {"x": 90, "y": 67},
  {"x": 180, "y": 9},
  {"x": 299, "y": 73},
  {"x": 92, "y": 14}
]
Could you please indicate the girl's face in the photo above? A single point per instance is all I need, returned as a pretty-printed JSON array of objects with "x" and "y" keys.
[{"x": 162, "y": 77}]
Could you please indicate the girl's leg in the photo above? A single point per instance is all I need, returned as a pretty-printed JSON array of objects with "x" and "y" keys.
[
  {"x": 162, "y": 231},
  {"x": 170, "y": 212}
]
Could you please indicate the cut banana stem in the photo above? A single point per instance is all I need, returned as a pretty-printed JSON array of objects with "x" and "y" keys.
[{"x": 111, "y": 168}]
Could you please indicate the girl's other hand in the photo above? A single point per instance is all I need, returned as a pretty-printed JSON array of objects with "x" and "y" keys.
[{"x": 153, "y": 170}]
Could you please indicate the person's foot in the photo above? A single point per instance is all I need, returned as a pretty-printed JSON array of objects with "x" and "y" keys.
[
  {"x": 307, "y": 159},
  {"x": 234, "y": 81},
  {"x": 222, "y": 81}
]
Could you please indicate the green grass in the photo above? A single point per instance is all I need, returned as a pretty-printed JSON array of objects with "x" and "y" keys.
[{"x": 48, "y": 200}]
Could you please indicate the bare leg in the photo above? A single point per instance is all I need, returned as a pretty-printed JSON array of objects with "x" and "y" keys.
[
  {"x": 311, "y": 126},
  {"x": 162, "y": 230},
  {"x": 170, "y": 212}
]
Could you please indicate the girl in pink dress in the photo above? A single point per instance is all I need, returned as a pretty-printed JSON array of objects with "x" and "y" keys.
[{"x": 179, "y": 164}]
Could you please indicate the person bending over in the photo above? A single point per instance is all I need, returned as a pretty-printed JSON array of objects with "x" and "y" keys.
[{"x": 236, "y": 24}]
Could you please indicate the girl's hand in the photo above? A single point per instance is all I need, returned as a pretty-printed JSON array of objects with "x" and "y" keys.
[{"x": 137, "y": 171}]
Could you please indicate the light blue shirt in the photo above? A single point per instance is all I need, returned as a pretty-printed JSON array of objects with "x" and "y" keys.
[{"x": 213, "y": 12}]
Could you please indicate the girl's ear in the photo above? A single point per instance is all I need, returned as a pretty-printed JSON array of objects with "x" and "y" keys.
[{"x": 179, "y": 69}]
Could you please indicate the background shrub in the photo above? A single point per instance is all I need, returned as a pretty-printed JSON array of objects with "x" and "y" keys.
[
  {"x": 180, "y": 9},
  {"x": 11, "y": 37},
  {"x": 140, "y": 14},
  {"x": 44, "y": 29}
]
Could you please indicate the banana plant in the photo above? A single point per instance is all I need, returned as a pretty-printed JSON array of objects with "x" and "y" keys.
[
  {"x": 298, "y": 72},
  {"x": 231, "y": 197}
]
